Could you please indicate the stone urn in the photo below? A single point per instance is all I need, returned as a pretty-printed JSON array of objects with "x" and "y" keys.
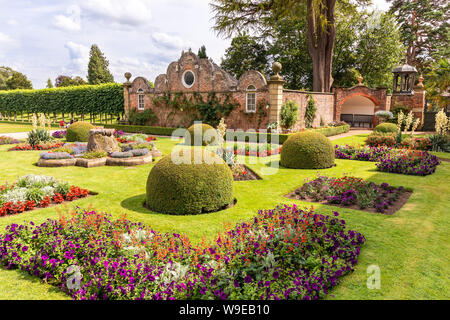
[{"x": 102, "y": 140}]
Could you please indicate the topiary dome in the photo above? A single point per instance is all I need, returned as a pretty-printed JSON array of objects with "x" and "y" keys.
[
  {"x": 307, "y": 150},
  {"x": 190, "y": 186},
  {"x": 200, "y": 129},
  {"x": 386, "y": 127},
  {"x": 79, "y": 132}
]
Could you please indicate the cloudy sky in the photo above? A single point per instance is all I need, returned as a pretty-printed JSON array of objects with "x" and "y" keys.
[{"x": 47, "y": 38}]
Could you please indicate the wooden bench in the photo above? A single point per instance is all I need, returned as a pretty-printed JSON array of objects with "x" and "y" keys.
[{"x": 359, "y": 119}]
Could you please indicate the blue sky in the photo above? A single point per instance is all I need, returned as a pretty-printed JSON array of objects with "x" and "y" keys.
[{"x": 44, "y": 38}]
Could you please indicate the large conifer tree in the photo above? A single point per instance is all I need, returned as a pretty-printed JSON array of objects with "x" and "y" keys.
[{"x": 98, "y": 67}]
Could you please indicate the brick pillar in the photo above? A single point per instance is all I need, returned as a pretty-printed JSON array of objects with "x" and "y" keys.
[
  {"x": 275, "y": 94},
  {"x": 126, "y": 93},
  {"x": 419, "y": 101}
]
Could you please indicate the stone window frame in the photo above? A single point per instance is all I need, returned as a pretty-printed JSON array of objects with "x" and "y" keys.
[
  {"x": 250, "y": 99},
  {"x": 184, "y": 83},
  {"x": 140, "y": 100}
]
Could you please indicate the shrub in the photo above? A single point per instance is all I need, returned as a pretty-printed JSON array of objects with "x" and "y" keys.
[
  {"x": 208, "y": 134},
  {"x": 64, "y": 149},
  {"x": 78, "y": 131},
  {"x": 310, "y": 112},
  {"x": 141, "y": 118},
  {"x": 188, "y": 187},
  {"x": 307, "y": 150},
  {"x": 289, "y": 114},
  {"x": 94, "y": 155},
  {"x": 440, "y": 143},
  {"x": 385, "y": 127},
  {"x": 381, "y": 139},
  {"x": 37, "y": 136}
]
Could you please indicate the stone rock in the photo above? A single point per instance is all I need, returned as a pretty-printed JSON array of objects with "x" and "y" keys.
[{"x": 102, "y": 140}]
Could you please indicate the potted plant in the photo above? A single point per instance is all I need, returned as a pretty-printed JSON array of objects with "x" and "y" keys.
[{"x": 383, "y": 116}]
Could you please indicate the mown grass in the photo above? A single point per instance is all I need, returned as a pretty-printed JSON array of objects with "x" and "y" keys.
[{"x": 410, "y": 247}]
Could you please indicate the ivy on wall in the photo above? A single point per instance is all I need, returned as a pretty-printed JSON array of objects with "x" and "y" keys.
[{"x": 209, "y": 110}]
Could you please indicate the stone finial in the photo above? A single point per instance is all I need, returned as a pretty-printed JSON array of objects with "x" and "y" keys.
[
  {"x": 276, "y": 68},
  {"x": 127, "y": 76},
  {"x": 360, "y": 79},
  {"x": 420, "y": 84}
]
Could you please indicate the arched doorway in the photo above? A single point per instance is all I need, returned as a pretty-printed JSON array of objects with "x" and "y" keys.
[{"x": 358, "y": 111}]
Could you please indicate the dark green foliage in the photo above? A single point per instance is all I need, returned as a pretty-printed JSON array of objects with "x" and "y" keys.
[
  {"x": 207, "y": 134},
  {"x": 385, "y": 127},
  {"x": 5, "y": 73},
  {"x": 202, "y": 53},
  {"x": 78, "y": 132},
  {"x": 141, "y": 118},
  {"x": 66, "y": 81},
  {"x": 161, "y": 131},
  {"x": 307, "y": 150},
  {"x": 18, "y": 81},
  {"x": 245, "y": 53},
  {"x": 190, "y": 188},
  {"x": 106, "y": 98},
  {"x": 310, "y": 112},
  {"x": 440, "y": 143},
  {"x": 289, "y": 114},
  {"x": 98, "y": 67}
]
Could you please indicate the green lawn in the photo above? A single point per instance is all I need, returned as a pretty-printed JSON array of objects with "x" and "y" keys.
[
  {"x": 411, "y": 247},
  {"x": 11, "y": 128}
]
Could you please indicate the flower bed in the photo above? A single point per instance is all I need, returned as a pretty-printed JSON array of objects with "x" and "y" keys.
[
  {"x": 42, "y": 146},
  {"x": 409, "y": 162},
  {"x": 33, "y": 191},
  {"x": 354, "y": 193},
  {"x": 284, "y": 253},
  {"x": 243, "y": 173},
  {"x": 59, "y": 134},
  {"x": 8, "y": 140},
  {"x": 137, "y": 138},
  {"x": 255, "y": 150}
]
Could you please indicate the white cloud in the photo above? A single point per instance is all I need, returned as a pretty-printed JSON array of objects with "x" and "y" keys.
[
  {"x": 168, "y": 41},
  {"x": 12, "y": 22},
  {"x": 69, "y": 22},
  {"x": 79, "y": 57},
  {"x": 5, "y": 39},
  {"x": 130, "y": 12}
]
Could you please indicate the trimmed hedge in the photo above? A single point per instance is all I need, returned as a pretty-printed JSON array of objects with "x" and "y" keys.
[
  {"x": 78, "y": 132},
  {"x": 95, "y": 99},
  {"x": 161, "y": 131},
  {"x": 189, "y": 188},
  {"x": 386, "y": 127},
  {"x": 200, "y": 127},
  {"x": 307, "y": 150}
]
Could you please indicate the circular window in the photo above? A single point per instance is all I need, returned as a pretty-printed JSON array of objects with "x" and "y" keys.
[{"x": 188, "y": 78}]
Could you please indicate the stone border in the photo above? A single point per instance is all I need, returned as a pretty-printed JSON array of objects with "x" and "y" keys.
[
  {"x": 156, "y": 153},
  {"x": 90, "y": 163},
  {"x": 56, "y": 162},
  {"x": 134, "y": 161}
]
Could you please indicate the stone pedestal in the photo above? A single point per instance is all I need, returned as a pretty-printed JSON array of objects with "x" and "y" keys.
[{"x": 275, "y": 95}]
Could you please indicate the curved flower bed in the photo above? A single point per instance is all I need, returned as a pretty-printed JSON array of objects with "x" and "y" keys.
[
  {"x": 32, "y": 191},
  {"x": 284, "y": 253},
  {"x": 42, "y": 146},
  {"x": 403, "y": 161},
  {"x": 8, "y": 140}
]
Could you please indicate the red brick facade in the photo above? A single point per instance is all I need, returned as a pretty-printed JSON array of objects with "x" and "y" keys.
[{"x": 191, "y": 77}]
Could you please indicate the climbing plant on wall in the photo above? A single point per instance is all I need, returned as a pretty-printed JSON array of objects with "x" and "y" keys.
[
  {"x": 310, "y": 112},
  {"x": 209, "y": 110}
]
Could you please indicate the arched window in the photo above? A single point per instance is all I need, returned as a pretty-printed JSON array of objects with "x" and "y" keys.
[
  {"x": 140, "y": 99},
  {"x": 251, "y": 99}
]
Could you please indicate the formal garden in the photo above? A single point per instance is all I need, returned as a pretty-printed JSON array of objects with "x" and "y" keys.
[{"x": 227, "y": 227}]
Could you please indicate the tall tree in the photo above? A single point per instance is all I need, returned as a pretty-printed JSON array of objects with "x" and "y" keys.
[
  {"x": 438, "y": 84},
  {"x": 49, "y": 83},
  {"x": 424, "y": 28},
  {"x": 202, "y": 53},
  {"x": 98, "y": 67},
  {"x": 245, "y": 53},
  {"x": 234, "y": 16},
  {"x": 5, "y": 73},
  {"x": 379, "y": 49},
  {"x": 18, "y": 81}
]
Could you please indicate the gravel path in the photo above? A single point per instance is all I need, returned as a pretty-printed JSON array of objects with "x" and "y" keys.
[{"x": 19, "y": 135}]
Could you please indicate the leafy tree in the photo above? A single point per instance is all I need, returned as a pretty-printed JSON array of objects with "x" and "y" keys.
[
  {"x": 379, "y": 49},
  {"x": 98, "y": 67},
  {"x": 5, "y": 73},
  {"x": 438, "y": 83},
  {"x": 202, "y": 53},
  {"x": 18, "y": 81},
  {"x": 49, "y": 83},
  {"x": 232, "y": 17},
  {"x": 424, "y": 26},
  {"x": 245, "y": 53},
  {"x": 66, "y": 81}
]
